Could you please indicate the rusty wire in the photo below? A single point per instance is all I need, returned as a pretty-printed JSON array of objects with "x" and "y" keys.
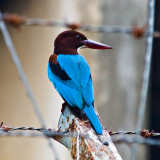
[
  {"x": 42, "y": 132},
  {"x": 17, "y": 21},
  {"x": 50, "y": 133},
  {"x": 143, "y": 133},
  {"x": 121, "y": 139}
]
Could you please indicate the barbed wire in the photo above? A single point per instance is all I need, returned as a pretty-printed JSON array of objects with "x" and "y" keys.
[
  {"x": 17, "y": 21},
  {"x": 52, "y": 134},
  {"x": 145, "y": 135}
]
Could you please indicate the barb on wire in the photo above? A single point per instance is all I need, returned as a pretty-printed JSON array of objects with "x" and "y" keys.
[
  {"x": 144, "y": 133},
  {"x": 17, "y": 21},
  {"x": 23, "y": 77}
]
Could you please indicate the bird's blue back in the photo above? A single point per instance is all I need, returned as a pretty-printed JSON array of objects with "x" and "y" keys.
[{"x": 77, "y": 91}]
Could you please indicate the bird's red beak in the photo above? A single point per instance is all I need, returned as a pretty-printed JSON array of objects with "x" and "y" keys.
[{"x": 95, "y": 45}]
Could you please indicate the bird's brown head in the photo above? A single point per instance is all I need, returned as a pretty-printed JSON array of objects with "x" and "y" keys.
[{"x": 69, "y": 41}]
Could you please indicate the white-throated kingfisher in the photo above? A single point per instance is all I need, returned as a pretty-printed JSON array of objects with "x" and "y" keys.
[{"x": 70, "y": 73}]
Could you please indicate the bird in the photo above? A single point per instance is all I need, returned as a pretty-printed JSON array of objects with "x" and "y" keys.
[{"x": 70, "y": 73}]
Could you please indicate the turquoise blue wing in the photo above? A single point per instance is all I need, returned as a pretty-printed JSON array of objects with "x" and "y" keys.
[
  {"x": 72, "y": 79},
  {"x": 70, "y": 92}
]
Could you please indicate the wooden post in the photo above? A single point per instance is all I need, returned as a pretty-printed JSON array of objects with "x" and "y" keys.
[{"x": 85, "y": 143}]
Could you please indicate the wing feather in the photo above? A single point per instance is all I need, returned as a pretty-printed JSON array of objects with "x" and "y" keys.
[
  {"x": 56, "y": 68},
  {"x": 70, "y": 74}
]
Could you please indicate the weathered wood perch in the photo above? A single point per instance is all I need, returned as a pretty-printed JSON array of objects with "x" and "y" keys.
[{"x": 88, "y": 147}]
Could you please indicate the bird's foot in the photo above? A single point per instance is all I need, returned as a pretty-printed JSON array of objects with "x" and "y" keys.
[
  {"x": 103, "y": 140},
  {"x": 63, "y": 106}
]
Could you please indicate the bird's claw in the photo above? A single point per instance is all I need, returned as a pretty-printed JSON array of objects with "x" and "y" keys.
[
  {"x": 102, "y": 139},
  {"x": 63, "y": 106}
]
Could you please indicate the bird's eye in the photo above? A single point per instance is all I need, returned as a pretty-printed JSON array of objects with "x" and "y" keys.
[{"x": 78, "y": 36}]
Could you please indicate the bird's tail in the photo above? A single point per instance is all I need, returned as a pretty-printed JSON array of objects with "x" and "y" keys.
[{"x": 92, "y": 116}]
